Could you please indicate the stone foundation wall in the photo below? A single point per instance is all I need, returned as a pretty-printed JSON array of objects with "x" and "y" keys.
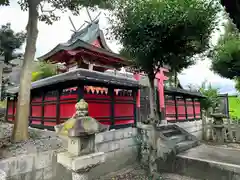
[
  {"x": 193, "y": 127},
  {"x": 120, "y": 146},
  {"x": 40, "y": 166}
]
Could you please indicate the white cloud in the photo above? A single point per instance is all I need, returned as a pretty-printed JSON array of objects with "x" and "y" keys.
[
  {"x": 201, "y": 72},
  {"x": 51, "y": 35}
]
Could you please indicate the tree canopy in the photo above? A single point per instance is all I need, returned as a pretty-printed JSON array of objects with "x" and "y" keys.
[
  {"x": 10, "y": 41},
  {"x": 43, "y": 10},
  {"x": 156, "y": 33},
  {"x": 211, "y": 94},
  {"x": 47, "y": 8},
  {"x": 226, "y": 54},
  {"x": 43, "y": 70},
  {"x": 164, "y": 32}
]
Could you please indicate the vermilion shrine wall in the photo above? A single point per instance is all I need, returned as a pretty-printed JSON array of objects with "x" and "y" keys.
[
  {"x": 182, "y": 109},
  {"x": 44, "y": 113}
]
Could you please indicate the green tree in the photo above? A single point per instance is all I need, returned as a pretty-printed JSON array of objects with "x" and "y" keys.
[
  {"x": 43, "y": 10},
  {"x": 156, "y": 32},
  {"x": 44, "y": 70},
  {"x": 211, "y": 94},
  {"x": 10, "y": 42},
  {"x": 225, "y": 55}
]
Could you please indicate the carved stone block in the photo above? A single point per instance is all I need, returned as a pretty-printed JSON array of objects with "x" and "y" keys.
[{"x": 81, "y": 145}]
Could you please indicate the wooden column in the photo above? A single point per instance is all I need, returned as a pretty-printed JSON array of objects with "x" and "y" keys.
[
  {"x": 111, "y": 94},
  {"x": 176, "y": 107},
  {"x": 80, "y": 92},
  {"x": 135, "y": 107},
  {"x": 42, "y": 105},
  {"x": 30, "y": 111},
  {"x": 58, "y": 109},
  {"x": 14, "y": 105},
  {"x": 6, "y": 113},
  {"x": 201, "y": 113},
  {"x": 194, "y": 112},
  {"x": 185, "y": 104}
]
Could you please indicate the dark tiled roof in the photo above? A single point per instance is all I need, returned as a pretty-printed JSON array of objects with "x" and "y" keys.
[
  {"x": 179, "y": 91},
  {"x": 84, "y": 39},
  {"x": 81, "y": 44},
  {"x": 89, "y": 34},
  {"x": 82, "y": 75}
]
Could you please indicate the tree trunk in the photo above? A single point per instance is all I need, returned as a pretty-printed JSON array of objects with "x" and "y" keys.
[
  {"x": 20, "y": 130},
  {"x": 152, "y": 99},
  {"x": 175, "y": 79}
]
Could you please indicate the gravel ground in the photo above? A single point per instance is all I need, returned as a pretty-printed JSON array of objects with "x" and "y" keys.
[
  {"x": 136, "y": 173},
  {"x": 134, "y": 176},
  {"x": 39, "y": 141}
]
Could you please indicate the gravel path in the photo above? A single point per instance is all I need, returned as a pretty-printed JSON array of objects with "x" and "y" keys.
[{"x": 39, "y": 141}]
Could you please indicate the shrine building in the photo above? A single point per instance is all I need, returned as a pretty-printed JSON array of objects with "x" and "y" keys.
[{"x": 92, "y": 72}]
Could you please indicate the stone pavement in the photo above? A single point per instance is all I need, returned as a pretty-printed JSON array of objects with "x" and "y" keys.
[
  {"x": 214, "y": 154},
  {"x": 209, "y": 163}
]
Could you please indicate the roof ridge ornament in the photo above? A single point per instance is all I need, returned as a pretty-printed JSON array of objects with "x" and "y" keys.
[{"x": 92, "y": 20}]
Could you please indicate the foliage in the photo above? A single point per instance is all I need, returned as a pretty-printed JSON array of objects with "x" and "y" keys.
[
  {"x": 237, "y": 83},
  {"x": 234, "y": 104},
  {"x": 156, "y": 33},
  {"x": 164, "y": 32},
  {"x": 43, "y": 10},
  {"x": 44, "y": 70},
  {"x": 3, "y": 104},
  {"x": 9, "y": 42},
  {"x": 212, "y": 96},
  {"x": 225, "y": 56},
  {"x": 47, "y": 8}
]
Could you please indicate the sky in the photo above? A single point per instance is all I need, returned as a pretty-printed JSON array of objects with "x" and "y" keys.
[{"x": 51, "y": 35}]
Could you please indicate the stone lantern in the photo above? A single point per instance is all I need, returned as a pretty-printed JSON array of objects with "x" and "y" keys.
[
  {"x": 80, "y": 131},
  {"x": 218, "y": 125}
]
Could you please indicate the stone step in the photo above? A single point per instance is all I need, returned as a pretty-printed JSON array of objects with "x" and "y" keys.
[
  {"x": 178, "y": 138},
  {"x": 171, "y": 132},
  {"x": 165, "y": 127},
  {"x": 185, "y": 145}
]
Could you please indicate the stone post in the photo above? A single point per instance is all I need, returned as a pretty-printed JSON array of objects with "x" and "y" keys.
[{"x": 80, "y": 130}]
